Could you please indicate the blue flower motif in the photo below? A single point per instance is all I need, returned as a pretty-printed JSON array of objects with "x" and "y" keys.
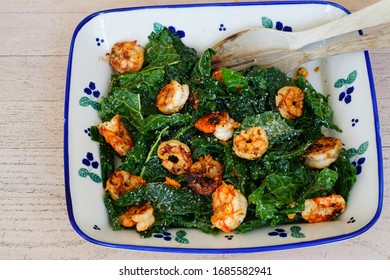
[
  {"x": 167, "y": 236},
  {"x": 89, "y": 161},
  {"x": 268, "y": 23},
  {"x": 358, "y": 164},
  {"x": 91, "y": 93},
  {"x": 279, "y": 26},
  {"x": 88, "y": 100},
  {"x": 179, "y": 33},
  {"x": 278, "y": 232},
  {"x": 346, "y": 95},
  {"x": 91, "y": 89}
]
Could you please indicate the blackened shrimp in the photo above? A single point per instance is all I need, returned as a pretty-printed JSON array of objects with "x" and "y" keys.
[
  {"x": 290, "y": 101},
  {"x": 127, "y": 57},
  {"x": 117, "y": 135},
  {"x": 230, "y": 207},
  {"x": 205, "y": 175},
  {"x": 218, "y": 123},
  {"x": 250, "y": 144},
  {"x": 323, "y": 209},
  {"x": 323, "y": 152},
  {"x": 175, "y": 155},
  {"x": 120, "y": 182}
]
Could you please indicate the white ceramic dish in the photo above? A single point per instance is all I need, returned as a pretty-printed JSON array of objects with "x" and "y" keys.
[{"x": 348, "y": 78}]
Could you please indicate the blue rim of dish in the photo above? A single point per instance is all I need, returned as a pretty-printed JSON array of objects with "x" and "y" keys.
[{"x": 218, "y": 250}]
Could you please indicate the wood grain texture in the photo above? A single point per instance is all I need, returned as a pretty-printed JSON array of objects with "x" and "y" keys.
[{"x": 34, "y": 224}]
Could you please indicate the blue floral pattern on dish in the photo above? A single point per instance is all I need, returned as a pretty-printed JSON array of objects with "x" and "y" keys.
[
  {"x": 90, "y": 165},
  {"x": 346, "y": 83},
  {"x": 92, "y": 94},
  {"x": 167, "y": 236},
  {"x": 278, "y": 232},
  {"x": 268, "y": 23},
  {"x": 179, "y": 33},
  {"x": 355, "y": 155},
  {"x": 295, "y": 232},
  {"x": 358, "y": 164}
]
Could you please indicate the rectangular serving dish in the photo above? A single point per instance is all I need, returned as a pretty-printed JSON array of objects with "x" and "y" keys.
[{"x": 347, "y": 78}]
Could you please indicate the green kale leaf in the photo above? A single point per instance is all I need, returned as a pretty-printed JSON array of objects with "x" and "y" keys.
[
  {"x": 276, "y": 128},
  {"x": 347, "y": 175},
  {"x": 159, "y": 121},
  {"x": 323, "y": 185},
  {"x": 233, "y": 80},
  {"x": 160, "y": 51},
  {"x": 202, "y": 68},
  {"x": 172, "y": 206}
]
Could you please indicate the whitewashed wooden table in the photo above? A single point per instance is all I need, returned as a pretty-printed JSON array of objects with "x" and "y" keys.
[{"x": 34, "y": 44}]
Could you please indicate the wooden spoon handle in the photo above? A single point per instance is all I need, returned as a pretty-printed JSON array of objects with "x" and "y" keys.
[
  {"x": 288, "y": 60},
  {"x": 380, "y": 38},
  {"x": 372, "y": 15}
]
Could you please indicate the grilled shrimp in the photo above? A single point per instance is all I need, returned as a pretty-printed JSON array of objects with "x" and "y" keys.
[
  {"x": 116, "y": 135},
  {"x": 172, "y": 97},
  {"x": 218, "y": 123},
  {"x": 120, "y": 182},
  {"x": 323, "y": 152},
  {"x": 175, "y": 156},
  {"x": 322, "y": 209},
  {"x": 127, "y": 57},
  {"x": 205, "y": 175},
  {"x": 140, "y": 216},
  {"x": 289, "y": 102},
  {"x": 229, "y": 206},
  {"x": 250, "y": 144}
]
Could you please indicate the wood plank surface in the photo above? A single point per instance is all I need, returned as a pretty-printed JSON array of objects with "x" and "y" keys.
[{"x": 34, "y": 223}]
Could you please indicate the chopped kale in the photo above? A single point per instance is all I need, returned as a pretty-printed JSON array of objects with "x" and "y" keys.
[{"x": 275, "y": 185}]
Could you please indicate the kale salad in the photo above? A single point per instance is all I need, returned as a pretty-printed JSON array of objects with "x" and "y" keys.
[{"x": 275, "y": 187}]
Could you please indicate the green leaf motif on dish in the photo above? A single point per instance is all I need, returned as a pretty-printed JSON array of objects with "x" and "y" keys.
[
  {"x": 83, "y": 172},
  {"x": 361, "y": 150},
  {"x": 349, "y": 80},
  {"x": 85, "y": 102},
  {"x": 267, "y": 22},
  {"x": 158, "y": 27},
  {"x": 180, "y": 237},
  {"x": 296, "y": 232}
]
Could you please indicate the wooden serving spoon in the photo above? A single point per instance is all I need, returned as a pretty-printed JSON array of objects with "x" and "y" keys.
[
  {"x": 286, "y": 60},
  {"x": 260, "y": 42}
]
